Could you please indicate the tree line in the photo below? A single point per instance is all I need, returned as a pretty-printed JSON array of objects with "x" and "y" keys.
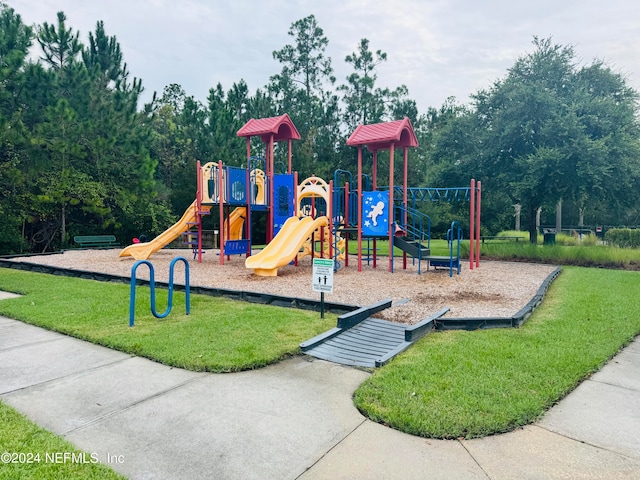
[{"x": 80, "y": 155}]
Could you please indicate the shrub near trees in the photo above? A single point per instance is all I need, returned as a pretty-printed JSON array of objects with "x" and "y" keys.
[
  {"x": 623, "y": 237},
  {"x": 79, "y": 155}
]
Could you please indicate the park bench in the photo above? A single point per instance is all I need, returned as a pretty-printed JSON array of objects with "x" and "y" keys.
[
  {"x": 95, "y": 241},
  {"x": 487, "y": 239}
]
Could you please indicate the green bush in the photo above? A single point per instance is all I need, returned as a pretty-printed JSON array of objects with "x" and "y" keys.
[
  {"x": 590, "y": 240},
  {"x": 11, "y": 240},
  {"x": 623, "y": 237},
  {"x": 574, "y": 239},
  {"x": 567, "y": 240},
  {"x": 514, "y": 233}
]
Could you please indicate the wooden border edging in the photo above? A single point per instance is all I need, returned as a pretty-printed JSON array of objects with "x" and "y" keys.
[
  {"x": 345, "y": 322},
  {"x": 476, "y": 323},
  {"x": 350, "y": 319},
  {"x": 240, "y": 295},
  {"x": 318, "y": 339},
  {"x": 386, "y": 358},
  {"x": 420, "y": 329}
]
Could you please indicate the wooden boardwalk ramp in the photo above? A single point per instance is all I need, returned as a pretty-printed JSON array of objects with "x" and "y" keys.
[{"x": 363, "y": 341}]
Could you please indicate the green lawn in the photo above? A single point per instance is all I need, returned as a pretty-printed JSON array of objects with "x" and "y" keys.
[
  {"x": 220, "y": 335},
  {"x": 450, "y": 384},
  {"x": 35, "y": 453},
  {"x": 470, "y": 384}
]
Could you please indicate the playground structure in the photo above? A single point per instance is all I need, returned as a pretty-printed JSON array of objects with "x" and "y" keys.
[
  {"x": 374, "y": 212},
  {"x": 301, "y": 232},
  {"x": 314, "y": 217}
]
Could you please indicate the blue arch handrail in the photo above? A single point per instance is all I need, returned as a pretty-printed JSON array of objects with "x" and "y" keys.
[{"x": 152, "y": 286}]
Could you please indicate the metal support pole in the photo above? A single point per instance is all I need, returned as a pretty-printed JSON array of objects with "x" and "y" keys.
[
  {"x": 374, "y": 187},
  {"x": 221, "y": 211},
  {"x": 359, "y": 197},
  {"x": 472, "y": 214},
  {"x": 346, "y": 224},
  {"x": 391, "y": 209},
  {"x": 479, "y": 195},
  {"x": 199, "y": 208}
]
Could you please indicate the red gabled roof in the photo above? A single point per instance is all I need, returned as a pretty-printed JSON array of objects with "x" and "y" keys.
[
  {"x": 380, "y": 136},
  {"x": 281, "y": 127}
]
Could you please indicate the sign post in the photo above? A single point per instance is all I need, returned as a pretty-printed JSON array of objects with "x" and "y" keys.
[{"x": 322, "y": 280}]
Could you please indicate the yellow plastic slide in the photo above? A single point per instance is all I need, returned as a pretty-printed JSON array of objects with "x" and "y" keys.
[
  {"x": 142, "y": 251},
  {"x": 236, "y": 222},
  {"x": 285, "y": 246}
]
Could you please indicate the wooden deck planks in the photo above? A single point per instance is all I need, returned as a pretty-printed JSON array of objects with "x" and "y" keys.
[{"x": 362, "y": 344}]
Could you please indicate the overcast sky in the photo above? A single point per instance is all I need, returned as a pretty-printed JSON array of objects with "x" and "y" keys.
[{"x": 437, "y": 48}]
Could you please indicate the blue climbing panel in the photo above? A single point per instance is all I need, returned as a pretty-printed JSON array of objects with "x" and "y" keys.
[
  {"x": 375, "y": 214},
  {"x": 283, "y": 207},
  {"x": 236, "y": 186},
  {"x": 236, "y": 247}
]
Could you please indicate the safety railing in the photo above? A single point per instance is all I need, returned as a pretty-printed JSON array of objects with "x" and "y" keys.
[
  {"x": 454, "y": 234},
  {"x": 414, "y": 223}
]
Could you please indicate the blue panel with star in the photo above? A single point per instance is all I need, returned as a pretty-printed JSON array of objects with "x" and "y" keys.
[
  {"x": 375, "y": 214},
  {"x": 283, "y": 204}
]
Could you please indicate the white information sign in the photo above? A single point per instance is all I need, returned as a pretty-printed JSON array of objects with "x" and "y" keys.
[{"x": 322, "y": 275}]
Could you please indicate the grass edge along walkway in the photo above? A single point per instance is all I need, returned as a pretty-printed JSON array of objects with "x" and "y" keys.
[
  {"x": 471, "y": 384},
  {"x": 30, "y": 451},
  {"x": 220, "y": 335}
]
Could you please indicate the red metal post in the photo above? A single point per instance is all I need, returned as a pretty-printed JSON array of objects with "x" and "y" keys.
[
  {"x": 249, "y": 194},
  {"x": 479, "y": 195},
  {"x": 359, "y": 197},
  {"x": 374, "y": 171},
  {"x": 391, "y": 154},
  {"x": 221, "y": 210},
  {"x": 227, "y": 226},
  {"x": 314, "y": 215},
  {"x": 247, "y": 215},
  {"x": 472, "y": 214},
  {"x": 406, "y": 181},
  {"x": 199, "y": 208},
  {"x": 374, "y": 185},
  {"x": 346, "y": 224},
  {"x": 270, "y": 195},
  {"x": 405, "y": 184},
  {"x": 330, "y": 214},
  {"x": 295, "y": 193},
  {"x": 296, "y": 211}
]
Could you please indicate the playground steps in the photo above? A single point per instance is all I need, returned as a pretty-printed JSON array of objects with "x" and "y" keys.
[
  {"x": 412, "y": 247},
  {"x": 192, "y": 232},
  {"x": 443, "y": 262},
  {"x": 360, "y": 340}
]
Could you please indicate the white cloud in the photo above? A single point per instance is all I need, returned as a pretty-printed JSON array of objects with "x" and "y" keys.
[{"x": 438, "y": 48}]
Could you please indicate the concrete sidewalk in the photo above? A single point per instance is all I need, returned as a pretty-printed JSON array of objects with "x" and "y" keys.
[{"x": 294, "y": 420}]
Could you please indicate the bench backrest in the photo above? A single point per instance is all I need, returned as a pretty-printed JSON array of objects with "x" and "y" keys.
[{"x": 94, "y": 238}]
